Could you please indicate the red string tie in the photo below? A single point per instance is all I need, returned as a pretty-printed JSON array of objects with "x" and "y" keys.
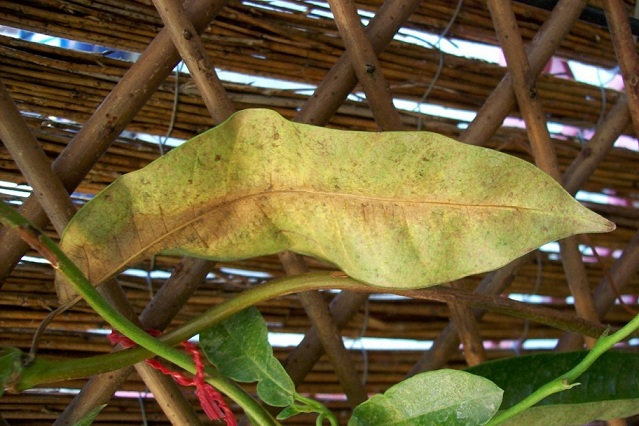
[{"x": 210, "y": 399}]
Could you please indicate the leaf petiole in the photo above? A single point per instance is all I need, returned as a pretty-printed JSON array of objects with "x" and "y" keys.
[{"x": 320, "y": 409}]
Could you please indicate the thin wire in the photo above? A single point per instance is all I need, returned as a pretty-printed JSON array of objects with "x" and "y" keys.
[
  {"x": 519, "y": 342},
  {"x": 608, "y": 276},
  {"x": 362, "y": 333},
  {"x": 602, "y": 88},
  {"x": 359, "y": 338},
  {"x": 35, "y": 342},
  {"x": 176, "y": 97},
  {"x": 142, "y": 409},
  {"x": 149, "y": 279},
  {"x": 440, "y": 66}
]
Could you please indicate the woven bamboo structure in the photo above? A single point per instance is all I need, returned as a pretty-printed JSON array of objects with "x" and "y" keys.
[{"x": 84, "y": 113}]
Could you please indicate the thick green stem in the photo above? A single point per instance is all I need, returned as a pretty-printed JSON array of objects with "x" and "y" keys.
[
  {"x": 48, "y": 371},
  {"x": 58, "y": 260},
  {"x": 567, "y": 380},
  {"x": 45, "y": 371}
]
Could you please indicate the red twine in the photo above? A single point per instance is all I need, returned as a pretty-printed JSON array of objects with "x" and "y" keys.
[{"x": 210, "y": 399}]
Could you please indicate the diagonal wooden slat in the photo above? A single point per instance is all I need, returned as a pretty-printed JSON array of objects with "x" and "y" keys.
[
  {"x": 187, "y": 41},
  {"x": 626, "y": 51},
  {"x": 52, "y": 195},
  {"x": 365, "y": 64},
  {"x": 341, "y": 79},
  {"x": 468, "y": 331},
  {"x": 524, "y": 85},
  {"x": 33, "y": 163},
  {"x": 502, "y": 100}
]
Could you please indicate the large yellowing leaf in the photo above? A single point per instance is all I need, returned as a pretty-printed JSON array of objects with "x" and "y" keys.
[{"x": 396, "y": 209}]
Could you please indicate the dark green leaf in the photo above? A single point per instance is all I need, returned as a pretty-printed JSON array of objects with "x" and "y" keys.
[
  {"x": 443, "y": 397},
  {"x": 608, "y": 389},
  {"x": 239, "y": 348}
]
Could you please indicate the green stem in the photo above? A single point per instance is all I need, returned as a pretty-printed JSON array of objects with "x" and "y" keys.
[
  {"x": 567, "y": 380},
  {"x": 58, "y": 259},
  {"x": 43, "y": 371},
  {"x": 316, "y": 407}
]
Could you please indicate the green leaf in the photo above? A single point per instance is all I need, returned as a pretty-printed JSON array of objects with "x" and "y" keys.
[
  {"x": 290, "y": 411},
  {"x": 294, "y": 410},
  {"x": 393, "y": 209},
  {"x": 10, "y": 366},
  {"x": 239, "y": 348},
  {"x": 442, "y": 397},
  {"x": 608, "y": 389},
  {"x": 90, "y": 417}
]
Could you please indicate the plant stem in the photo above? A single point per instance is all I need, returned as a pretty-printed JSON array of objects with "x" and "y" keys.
[
  {"x": 316, "y": 407},
  {"x": 47, "y": 371},
  {"x": 58, "y": 260},
  {"x": 567, "y": 380}
]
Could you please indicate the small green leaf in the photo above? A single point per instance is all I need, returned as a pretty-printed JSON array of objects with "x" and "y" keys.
[
  {"x": 294, "y": 410},
  {"x": 239, "y": 348},
  {"x": 442, "y": 397},
  {"x": 608, "y": 389},
  {"x": 90, "y": 417},
  {"x": 10, "y": 366},
  {"x": 392, "y": 209}
]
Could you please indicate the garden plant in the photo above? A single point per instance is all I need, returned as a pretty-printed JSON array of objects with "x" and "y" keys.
[{"x": 393, "y": 212}]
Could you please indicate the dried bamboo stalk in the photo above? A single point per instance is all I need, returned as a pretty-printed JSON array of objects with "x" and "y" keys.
[
  {"x": 365, "y": 64},
  {"x": 524, "y": 85}
]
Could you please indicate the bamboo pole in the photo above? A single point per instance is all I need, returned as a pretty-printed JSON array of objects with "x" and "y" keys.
[
  {"x": 365, "y": 64},
  {"x": 187, "y": 41},
  {"x": 626, "y": 52},
  {"x": 502, "y": 99},
  {"x": 33, "y": 163},
  {"x": 55, "y": 201},
  {"x": 524, "y": 86}
]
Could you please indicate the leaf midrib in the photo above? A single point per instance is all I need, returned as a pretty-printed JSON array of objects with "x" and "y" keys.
[{"x": 316, "y": 193}]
